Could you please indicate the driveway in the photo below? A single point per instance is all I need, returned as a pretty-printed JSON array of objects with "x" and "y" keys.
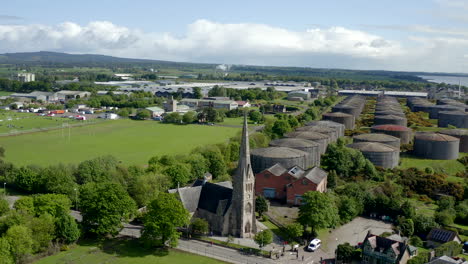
[{"x": 353, "y": 232}]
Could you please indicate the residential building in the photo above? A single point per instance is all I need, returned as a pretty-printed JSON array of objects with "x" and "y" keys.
[
  {"x": 288, "y": 185},
  {"x": 447, "y": 260},
  {"x": 381, "y": 250},
  {"x": 438, "y": 236},
  {"x": 242, "y": 104}
]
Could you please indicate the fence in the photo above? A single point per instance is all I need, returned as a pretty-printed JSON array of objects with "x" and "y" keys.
[{"x": 20, "y": 132}]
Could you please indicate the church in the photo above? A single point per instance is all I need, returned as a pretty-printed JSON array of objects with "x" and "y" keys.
[{"x": 229, "y": 208}]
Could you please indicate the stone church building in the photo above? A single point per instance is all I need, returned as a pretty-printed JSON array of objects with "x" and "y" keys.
[{"x": 229, "y": 208}]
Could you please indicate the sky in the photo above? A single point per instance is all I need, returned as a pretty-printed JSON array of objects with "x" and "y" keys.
[{"x": 407, "y": 35}]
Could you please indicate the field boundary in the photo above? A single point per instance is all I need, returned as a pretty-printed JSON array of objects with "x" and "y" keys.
[{"x": 45, "y": 129}]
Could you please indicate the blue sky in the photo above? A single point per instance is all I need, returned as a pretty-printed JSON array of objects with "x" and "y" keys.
[{"x": 422, "y": 35}]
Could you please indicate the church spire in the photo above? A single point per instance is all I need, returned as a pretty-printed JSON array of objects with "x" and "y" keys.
[{"x": 243, "y": 223}]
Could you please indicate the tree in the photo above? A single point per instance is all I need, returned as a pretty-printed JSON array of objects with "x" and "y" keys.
[
  {"x": 331, "y": 179},
  {"x": 20, "y": 240},
  {"x": 317, "y": 211},
  {"x": 256, "y": 117},
  {"x": 199, "y": 226},
  {"x": 188, "y": 117},
  {"x": 423, "y": 224},
  {"x": 42, "y": 231},
  {"x": 4, "y": 207},
  {"x": 178, "y": 173},
  {"x": 123, "y": 112},
  {"x": 281, "y": 127},
  {"x": 53, "y": 204},
  {"x": 174, "y": 118},
  {"x": 406, "y": 226},
  {"x": 165, "y": 214},
  {"x": 143, "y": 114},
  {"x": 99, "y": 169},
  {"x": 345, "y": 253},
  {"x": 446, "y": 203},
  {"x": 445, "y": 218},
  {"x": 197, "y": 92},
  {"x": 216, "y": 164},
  {"x": 5, "y": 251},
  {"x": 408, "y": 210},
  {"x": 451, "y": 249},
  {"x": 294, "y": 231},
  {"x": 25, "y": 204},
  {"x": 28, "y": 179},
  {"x": 261, "y": 205},
  {"x": 348, "y": 209},
  {"x": 66, "y": 229},
  {"x": 148, "y": 186},
  {"x": 264, "y": 238},
  {"x": 198, "y": 165},
  {"x": 104, "y": 206},
  {"x": 59, "y": 179},
  {"x": 416, "y": 241}
]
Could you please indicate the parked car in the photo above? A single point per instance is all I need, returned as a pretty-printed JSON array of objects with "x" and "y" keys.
[{"x": 314, "y": 244}]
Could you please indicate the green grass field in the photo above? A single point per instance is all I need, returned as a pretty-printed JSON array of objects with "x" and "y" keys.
[
  {"x": 450, "y": 167},
  {"x": 123, "y": 251},
  {"x": 13, "y": 121},
  {"x": 132, "y": 142}
]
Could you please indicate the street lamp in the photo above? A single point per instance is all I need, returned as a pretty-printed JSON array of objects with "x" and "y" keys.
[{"x": 76, "y": 198}]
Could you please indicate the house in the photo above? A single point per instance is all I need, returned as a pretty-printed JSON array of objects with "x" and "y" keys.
[
  {"x": 288, "y": 185},
  {"x": 242, "y": 104},
  {"x": 438, "y": 236},
  {"x": 381, "y": 250},
  {"x": 155, "y": 111}
]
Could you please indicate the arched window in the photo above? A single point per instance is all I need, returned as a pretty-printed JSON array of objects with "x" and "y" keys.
[{"x": 247, "y": 228}]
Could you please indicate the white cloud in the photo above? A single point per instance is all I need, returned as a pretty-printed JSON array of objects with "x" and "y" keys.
[{"x": 207, "y": 41}]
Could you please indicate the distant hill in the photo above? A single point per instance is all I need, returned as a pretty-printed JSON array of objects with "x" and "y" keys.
[{"x": 58, "y": 58}]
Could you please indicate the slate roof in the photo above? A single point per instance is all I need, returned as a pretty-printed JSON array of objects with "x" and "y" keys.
[
  {"x": 189, "y": 196},
  {"x": 382, "y": 244},
  {"x": 316, "y": 175},
  {"x": 276, "y": 169},
  {"x": 441, "y": 235},
  {"x": 214, "y": 194}
]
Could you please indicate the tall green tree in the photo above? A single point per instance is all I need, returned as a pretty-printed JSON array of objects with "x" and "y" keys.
[
  {"x": 281, "y": 127},
  {"x": 5, "y": 251},
  {"x": 294, "y": 231},
  {"x": 264, "y": 238},
  {"x": 104, "y": 206},
  {"x": 317, "y": 211},
  {"x": 261, "y": 205},
  {"x": 164, "y": 215},
  {"x": 179, "y": 174},
  {"x": 20, "y": 240},
  {"x": 66, "y": 229}
]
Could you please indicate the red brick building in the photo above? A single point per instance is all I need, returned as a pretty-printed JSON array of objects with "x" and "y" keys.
[{"x": 288, "y": 185}]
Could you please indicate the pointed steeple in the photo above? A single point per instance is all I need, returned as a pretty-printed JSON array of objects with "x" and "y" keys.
[
  {"x": 244, "y": 155},
  {"x": 242, "y": 221}
]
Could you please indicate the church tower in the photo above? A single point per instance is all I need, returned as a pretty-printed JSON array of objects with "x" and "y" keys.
[{"x": 242, "y": 220}]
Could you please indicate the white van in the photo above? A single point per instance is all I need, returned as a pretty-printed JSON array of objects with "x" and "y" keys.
[{"x": 314, "y": 244}]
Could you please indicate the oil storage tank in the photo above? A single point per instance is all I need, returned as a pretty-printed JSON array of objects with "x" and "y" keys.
[
  {"x": 320, "y": 138},
  {"x": 340, "y": 128},
  {"x": 331, "y": 132},
  {"x": 461, "y": 134},
  {"x": 389, "y": 120},
  {"x": 348, "y": 109},
  {"x": 263, "y": 158},
  {"x": 379, "y": 154},
  {"x": 436, "y": 146},
  {"x": 435, "y": 109},
  {"x": 379, "y": 138},
  {"x": 401, "y": 132},
  {"x": 343, "y": 118},
  {"x": 458, "y": 119},
  {"x": 390, "y": 112},
  {"x": 308, "y": 146}
]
